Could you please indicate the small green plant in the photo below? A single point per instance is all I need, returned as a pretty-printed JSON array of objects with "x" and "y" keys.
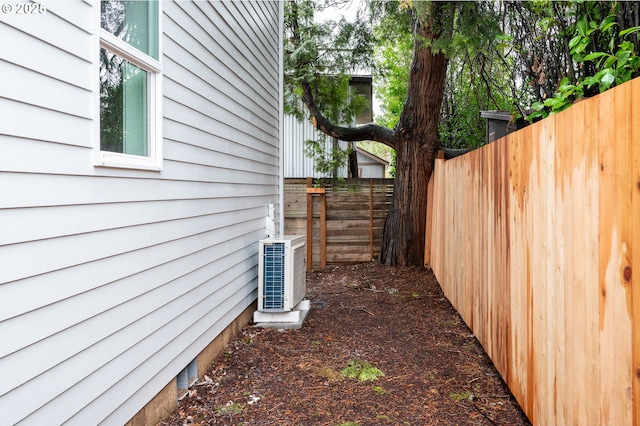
[
  {"x": 348, "y": 424},
  {"x": 361, "y": 370},
  {"x": 379, "y": 389},
  {"x": 230, "y": 408},
  {"x": 462, "y": 396}
]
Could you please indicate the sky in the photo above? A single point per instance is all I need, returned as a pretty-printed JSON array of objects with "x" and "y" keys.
[{"x": 348, "y": 10}]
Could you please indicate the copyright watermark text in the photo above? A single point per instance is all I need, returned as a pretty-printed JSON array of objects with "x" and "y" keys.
[{"x": 23, "y": 8}]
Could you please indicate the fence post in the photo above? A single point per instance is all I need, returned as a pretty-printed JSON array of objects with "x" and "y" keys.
[
  {"x": 309, "y": 225},
  {"x": 323, "y": 225},
  {"x": 371, "y": 219},
  {"x": 323, "y": 230}
]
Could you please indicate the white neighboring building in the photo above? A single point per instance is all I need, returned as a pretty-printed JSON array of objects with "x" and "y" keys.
[
  {"x": 298, "y": 165},
  {"x": 128, "y": 247},
  {"x": 370, "y": 165}
]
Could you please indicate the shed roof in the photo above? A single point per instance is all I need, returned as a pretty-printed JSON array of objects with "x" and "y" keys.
[{"x": 372, "y": 156}]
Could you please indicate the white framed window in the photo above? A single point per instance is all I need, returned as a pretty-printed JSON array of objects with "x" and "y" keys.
[{"x": 129, "y": 85}]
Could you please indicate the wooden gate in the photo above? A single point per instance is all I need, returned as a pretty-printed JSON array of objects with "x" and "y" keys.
[{"x": 343, "y": 220}]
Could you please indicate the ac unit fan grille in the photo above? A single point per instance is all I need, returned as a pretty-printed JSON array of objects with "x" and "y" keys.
[{"x": 274, "y": 276}]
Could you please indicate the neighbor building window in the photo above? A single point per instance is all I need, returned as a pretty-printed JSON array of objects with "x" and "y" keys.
[{"x": 129, "y": 77}]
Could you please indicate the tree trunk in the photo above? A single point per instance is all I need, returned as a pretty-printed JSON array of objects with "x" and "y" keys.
[
  {"x": 353, "y": 161},
  {"x": 417, "y": 142},
  {"x": 416, "y": 138}
]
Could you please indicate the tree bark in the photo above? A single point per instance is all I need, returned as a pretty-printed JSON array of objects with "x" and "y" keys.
[
  {"x": 353, "y": 161},
  {"x": 417, "y": 142}
]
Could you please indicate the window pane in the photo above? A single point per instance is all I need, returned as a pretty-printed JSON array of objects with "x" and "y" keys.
[
  {"x": 124, "y": 120},
  {"x": 135, "y": 22}
]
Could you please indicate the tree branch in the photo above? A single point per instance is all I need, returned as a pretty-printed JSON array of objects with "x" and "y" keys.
[{"x": 367, "y": 132}]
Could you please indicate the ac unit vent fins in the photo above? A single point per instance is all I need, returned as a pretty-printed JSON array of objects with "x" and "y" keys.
[{"x": 274, "y": 275}]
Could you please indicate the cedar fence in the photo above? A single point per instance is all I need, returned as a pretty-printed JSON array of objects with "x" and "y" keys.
[
  {"x": 534, "y": 238},
  {"x": 343, "y": 220}
]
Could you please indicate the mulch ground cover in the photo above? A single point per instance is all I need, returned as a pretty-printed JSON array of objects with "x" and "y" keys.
[{"x": 380, "y": 346}]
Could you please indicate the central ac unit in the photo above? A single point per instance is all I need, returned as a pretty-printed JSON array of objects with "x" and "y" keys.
[{"x": 281, "y": 273}]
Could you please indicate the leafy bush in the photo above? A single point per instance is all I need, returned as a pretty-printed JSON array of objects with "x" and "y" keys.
[{"x": 614, "y": 67}]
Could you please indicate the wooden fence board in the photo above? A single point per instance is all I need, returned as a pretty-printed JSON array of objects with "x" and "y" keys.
[
  {"x": 634, "y": 272},
  {"x": 531, "y": 238},
  {"x": 615, "y": 300}
]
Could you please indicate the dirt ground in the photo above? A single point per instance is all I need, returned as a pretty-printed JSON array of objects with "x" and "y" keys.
[{"x": 381, "y": 346}]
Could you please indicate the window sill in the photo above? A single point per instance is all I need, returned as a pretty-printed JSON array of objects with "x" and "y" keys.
[{"x": 124, "y": 161}]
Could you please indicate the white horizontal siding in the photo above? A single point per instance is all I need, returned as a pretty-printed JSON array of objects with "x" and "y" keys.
[
  {"x": 64, "y": 25},
  {"x": 194, "y": 110},
  {"x": 206, "y": 23},
  {"x": 221, "y": 153},
  {"x": 238, "y": 24},
  {"x": 35, "y": 122},
  {"x": 36, "y": 223},
  {"x": 234, "y": 305},
  {"x": 42, "y": 293},
  {"x": 112, "y": 280},
  {"x": 26, "y": 260},
  {"x": 22, "y": 155},
  {"x": 215, "y": 93},
  {"x": 26, "y": 86},
  {"x": 93, "y": 315},
  {"x": 28, "y": 190},
  {"x": 118, "y": 354},
  {"x": 71, "y": 69},
  {"x": 218, "y": 61}
]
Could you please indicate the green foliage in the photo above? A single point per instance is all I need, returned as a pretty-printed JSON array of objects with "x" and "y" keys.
[
  {"x": 501, "y": 56},
  {"x": 475, "y": 78},
  {"x": 391, "y": 170},
  {"x": 378, "y": 149},
  {"x": 231, "y": 408},
  {"x": 327, "y": 158},
  {"x": 618, "y": 64},
  {"x": 361, "y": 370},
  {"x": 475, "y": 75},
  {"x": 111, "y": 101},
  {"x": 393, "y": 54},
  {"x": 323, "y": 55},
  {"x": 379, "y": 389}
]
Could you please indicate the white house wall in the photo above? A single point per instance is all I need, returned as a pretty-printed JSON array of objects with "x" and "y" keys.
[{"x": 113, "y": 280}]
